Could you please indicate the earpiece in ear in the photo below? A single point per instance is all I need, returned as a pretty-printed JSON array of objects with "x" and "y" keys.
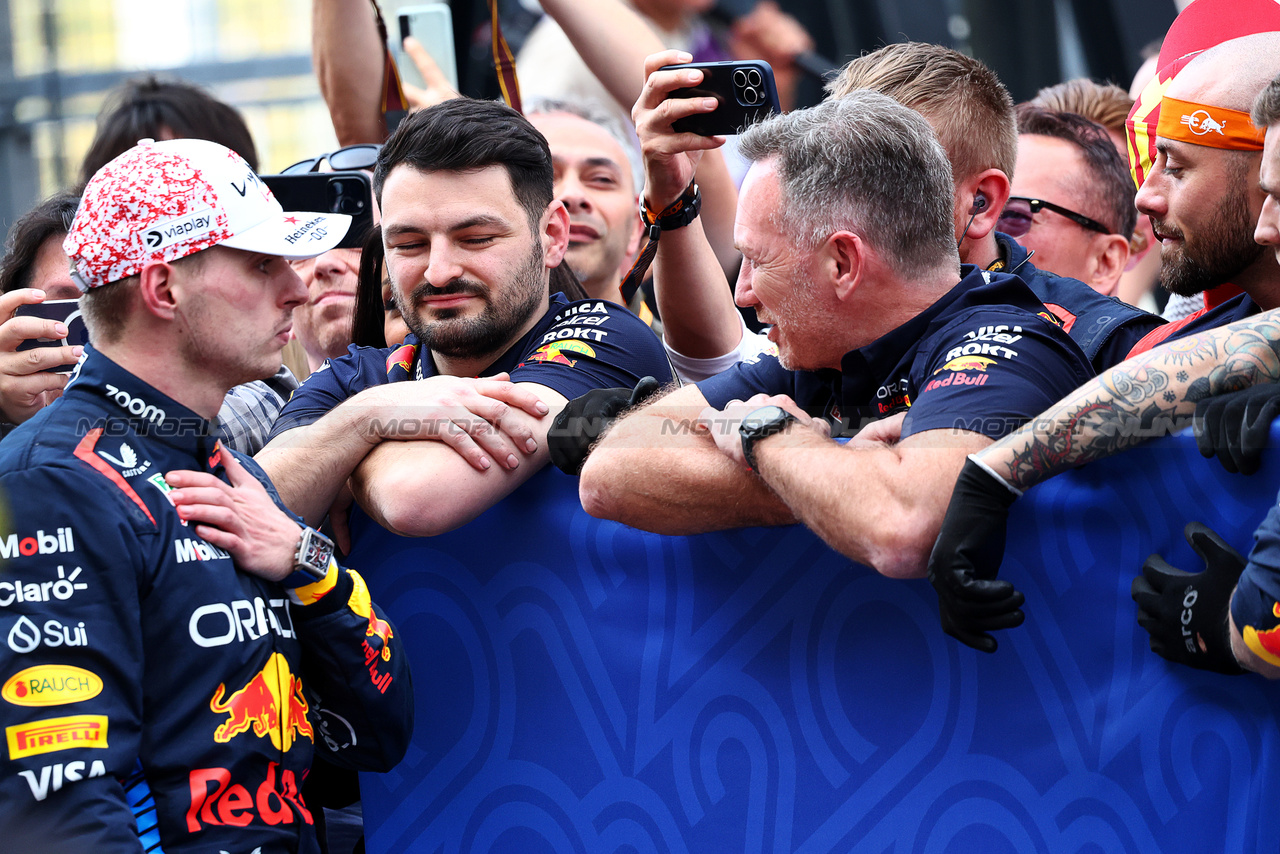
[{"x": 979, "y": 203}]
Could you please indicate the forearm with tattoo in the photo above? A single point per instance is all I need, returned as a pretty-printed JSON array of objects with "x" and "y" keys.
[{"x": 1149, "y": 396}]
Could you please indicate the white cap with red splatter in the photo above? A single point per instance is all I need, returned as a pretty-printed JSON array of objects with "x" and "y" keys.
[{"x": 161, "y": 201}]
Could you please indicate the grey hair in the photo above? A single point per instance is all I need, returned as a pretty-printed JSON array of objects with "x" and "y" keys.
[
  {"x": 593, "y": 111},
  {"x": 862, "y": 163},
  {"x": 1266, "y": 107}
]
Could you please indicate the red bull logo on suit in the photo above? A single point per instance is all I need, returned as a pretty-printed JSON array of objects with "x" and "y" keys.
[
  {"x": 271, "y": 703},
  {"x": 557, "y": 352}
]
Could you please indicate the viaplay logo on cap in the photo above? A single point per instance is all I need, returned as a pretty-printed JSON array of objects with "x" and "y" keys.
[{"x": 191, "y": 226}]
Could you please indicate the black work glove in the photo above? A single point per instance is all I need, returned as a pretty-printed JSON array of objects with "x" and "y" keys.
[
  {"x": 584, "y": 419},
  {"x": 1186, "y": 612},
  {"x": 1237, "y": 426},
  {"x": 967, "y": 556}
]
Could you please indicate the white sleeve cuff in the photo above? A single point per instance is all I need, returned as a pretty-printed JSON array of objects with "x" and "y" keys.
[
  {"x": 691, "y": 370},
  {"x": 1017, "y": 493}
]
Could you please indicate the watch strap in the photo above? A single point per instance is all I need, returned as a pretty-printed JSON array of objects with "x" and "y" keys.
[{"x": 678, "y": 214}]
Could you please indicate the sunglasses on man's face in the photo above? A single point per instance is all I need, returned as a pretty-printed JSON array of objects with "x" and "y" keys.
[
  {"x": 1015, "y": 220},
  {"x": 349, "y": 159}
]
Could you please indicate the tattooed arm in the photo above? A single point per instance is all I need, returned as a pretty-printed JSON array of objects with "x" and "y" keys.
[{"x": 1149, "y": 396}]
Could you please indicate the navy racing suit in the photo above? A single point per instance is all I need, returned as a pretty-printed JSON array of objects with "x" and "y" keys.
[{"x": 127, "y": 638}]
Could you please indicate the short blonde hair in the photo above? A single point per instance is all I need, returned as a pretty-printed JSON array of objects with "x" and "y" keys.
[
  {"x": 965, "y": 102},
  {"x": 1104, "y": 103},
  {"x": 107, "y": 309}
]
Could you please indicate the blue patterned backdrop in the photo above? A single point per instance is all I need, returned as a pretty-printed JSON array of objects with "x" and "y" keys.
[{"x": 586, "y": 687}]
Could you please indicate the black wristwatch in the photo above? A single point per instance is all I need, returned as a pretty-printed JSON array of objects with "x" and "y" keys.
[
  {"x": 760, "y": 424},
  {"x": 311, "y": 561}
]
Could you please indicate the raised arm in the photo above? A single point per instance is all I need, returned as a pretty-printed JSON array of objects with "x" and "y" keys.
[
  {"x": 616, "y": 44},
  {"x": 613, "y": 40},
  {"x": 348, "y": 59},
  {"x": 698, "y": 315}
]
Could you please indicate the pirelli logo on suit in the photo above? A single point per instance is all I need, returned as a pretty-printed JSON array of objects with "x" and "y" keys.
[{"x": 54, "y": 734}]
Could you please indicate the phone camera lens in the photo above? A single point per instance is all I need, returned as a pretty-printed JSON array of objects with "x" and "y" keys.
[
  {"x": 340, "y": 202},
  {"x": 753, "y": 77},
  {"x": 751, "y": 96},
  {"x": 739, "y": 78}
]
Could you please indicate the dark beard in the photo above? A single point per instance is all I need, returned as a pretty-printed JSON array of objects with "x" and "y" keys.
[
  {"x": 1224, "y": 251},
  {"x": 490, "y": 332}
]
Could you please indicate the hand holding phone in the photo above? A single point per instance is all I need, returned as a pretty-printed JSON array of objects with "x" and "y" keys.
[
  {"x": 39, "y": 343},
  {"x": 436, "y": 88},
  {"x": 743, "y": 89},
  {"x": 670, "y": 158},
  {"x": 431, "y": 25}
]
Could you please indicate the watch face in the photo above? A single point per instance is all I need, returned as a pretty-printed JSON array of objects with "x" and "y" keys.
[
  {"x": 761, "y": 417},
  {"x": 314, "y": 553}
]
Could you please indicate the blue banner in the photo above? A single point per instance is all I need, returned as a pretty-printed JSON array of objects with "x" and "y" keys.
[{"x": 582, "y": 686}]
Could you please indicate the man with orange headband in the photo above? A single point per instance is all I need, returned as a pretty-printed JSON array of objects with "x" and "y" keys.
[
  {"x": 1225, "y": 618},
  {"x": 1201, "y": 193}
]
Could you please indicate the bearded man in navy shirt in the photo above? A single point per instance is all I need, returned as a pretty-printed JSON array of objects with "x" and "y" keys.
[{"x": 473, "y": 238}]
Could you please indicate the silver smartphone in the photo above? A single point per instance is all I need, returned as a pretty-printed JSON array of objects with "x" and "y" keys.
[{"x": 432, "y": 25}]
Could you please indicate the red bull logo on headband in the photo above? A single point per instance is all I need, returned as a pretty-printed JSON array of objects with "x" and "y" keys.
[
  {"x": 271, "y": 703},
  {"x": 1205, "y": 124},
  {"x": 1200, "y": 122}
]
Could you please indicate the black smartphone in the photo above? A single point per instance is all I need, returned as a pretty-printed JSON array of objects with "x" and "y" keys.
[
  {"x": 743, "y": 88},
  {"x": 65, "y": 310},
  {"x": 329, "y": 192}
]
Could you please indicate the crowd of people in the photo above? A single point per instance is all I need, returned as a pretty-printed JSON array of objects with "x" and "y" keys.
[{"x": 883, "y": 317}]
